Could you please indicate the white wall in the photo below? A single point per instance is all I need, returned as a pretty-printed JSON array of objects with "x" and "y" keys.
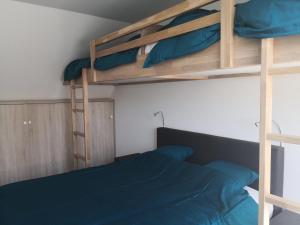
[
  {"x": 36, "y": 43},
  {"x": 227, "y": 107}
]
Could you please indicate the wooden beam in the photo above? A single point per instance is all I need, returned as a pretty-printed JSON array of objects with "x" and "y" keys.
[
  {"x": 227, "y": 26},
  {"x": 176, "y": 10},
  {"x": 182, "y": 77},
  {"x": 267, "y": 58},
  {"x": 74, "y": 127},
  {"x": 284, "y": 204},
  {"x": 87, "y": 139},
  {"x": 152, "y": 82},
  {"x": 147, "y": 31},
  {"x": 76, "y": 86},
  {"x": 168, "y": 33},
  {"x": 93, "y": 51},
  {"x": 78, "y": 110},
  {"x": 285, "y": 70},
  {"x": 289, "y": 139}
]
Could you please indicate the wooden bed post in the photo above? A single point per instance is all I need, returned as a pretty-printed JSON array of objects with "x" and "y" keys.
[
  {"x": 73, "y": 111},
  {"x": 227, "y": 26},
  {"x": 266, "y": 136},
  {"x": 93, "y": 58},
  {"x": 265, "y": 129},
  {"x": 86, "y": 124}
]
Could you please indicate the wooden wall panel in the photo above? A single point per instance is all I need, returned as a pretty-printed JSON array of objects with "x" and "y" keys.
[
  {"x": 12, "y": 143},
  {"x": 103, "y": 143},
  {"x": 102, "y": 133},
  {"x": 49, "y": 149},
  {"x": 43, "y": 146}
]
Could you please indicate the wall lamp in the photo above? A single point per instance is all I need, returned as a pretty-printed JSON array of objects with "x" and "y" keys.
[
  {"x": 276, "y": 124},
  {"x": 162, "y": 116}
]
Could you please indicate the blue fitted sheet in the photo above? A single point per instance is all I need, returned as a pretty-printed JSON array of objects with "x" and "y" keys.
[
  {"x": 151, "y": 189},
  {"x": 268, "y": 18}
]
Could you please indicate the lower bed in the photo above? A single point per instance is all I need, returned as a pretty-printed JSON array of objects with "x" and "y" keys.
[{"x": 152, "y": 189}]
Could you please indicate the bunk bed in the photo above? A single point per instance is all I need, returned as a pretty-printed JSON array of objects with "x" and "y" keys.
[
  {"x": 233, "y": 56},
  {"x": 257, "y": 38}
]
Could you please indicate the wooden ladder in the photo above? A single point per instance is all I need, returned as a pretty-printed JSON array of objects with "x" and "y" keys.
[
  {"x": 84, "y": 110},
  {"x": 266, "y": 137}
]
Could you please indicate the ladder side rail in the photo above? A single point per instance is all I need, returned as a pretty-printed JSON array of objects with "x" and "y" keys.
[
  {"x": 267, "y": 58},
  {"x": 87, "y": 138},
  {"x": 74, "y": 107}
]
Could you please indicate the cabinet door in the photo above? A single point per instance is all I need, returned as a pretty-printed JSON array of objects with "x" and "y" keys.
[
  {"x": 102, "y": 132},
  {"x": 50, "y": 139},
  {"x": 13, "y": 143}
]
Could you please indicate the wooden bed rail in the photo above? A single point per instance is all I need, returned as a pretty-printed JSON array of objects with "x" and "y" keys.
[
  {"x": 164, "y": 34},
  {"x": 176, "y": 10},
  {"x": 225, "y": 17}
]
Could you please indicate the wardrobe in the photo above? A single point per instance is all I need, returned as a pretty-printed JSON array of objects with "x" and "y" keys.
[{"x": 36, "y": 137}]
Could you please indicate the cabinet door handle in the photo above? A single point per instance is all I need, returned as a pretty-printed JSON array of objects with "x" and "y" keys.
[
  {"x": 29, "y": 122},
  {"x": 111, "y": 117},
  {"x": 25, "y": 122}
]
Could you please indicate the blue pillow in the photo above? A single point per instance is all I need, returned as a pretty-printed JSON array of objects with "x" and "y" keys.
[
  {"x": 185, "y": 44},
  {"x": 117, "y": 59},
  {"x": 242, "y": 175},
  {"x": 74, "y": 70},
  {"x": 267, "y": 18},
  {"x": 177, "y": 152}
]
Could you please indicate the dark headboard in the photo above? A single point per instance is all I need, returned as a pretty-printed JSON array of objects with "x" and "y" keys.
[{"x": 208, "y": 148}]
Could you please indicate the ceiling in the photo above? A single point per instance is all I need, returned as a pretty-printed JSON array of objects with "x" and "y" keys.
[{"x": 121, "y": 10}]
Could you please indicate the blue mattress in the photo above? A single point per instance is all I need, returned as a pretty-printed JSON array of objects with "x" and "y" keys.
[
  {"x": 151, "y": 189},
  {"x": 268, "y": 18}
]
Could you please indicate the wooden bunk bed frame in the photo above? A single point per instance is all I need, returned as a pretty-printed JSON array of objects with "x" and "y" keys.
[{"x": 232, "y": 57}]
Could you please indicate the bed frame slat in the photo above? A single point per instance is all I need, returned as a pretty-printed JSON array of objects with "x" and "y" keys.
[
  {"x": 161, "y": 35},
  {"x": 169, "y": 13}
]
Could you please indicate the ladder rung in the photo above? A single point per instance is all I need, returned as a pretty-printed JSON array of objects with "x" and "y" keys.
[
  {"x": 81, "y": 157},
  {"x": 77, "y": 133},
  {"x": 77, "y": 86},
  {"x": 289, "y": 139},
  {"x": 284, "y": 204},
  {"x": 78, "y": 110}
]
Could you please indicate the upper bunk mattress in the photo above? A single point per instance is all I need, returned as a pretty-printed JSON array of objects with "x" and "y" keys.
[
  {"x": 148, "y": 190},
  {"x": 268, "y": 18}
]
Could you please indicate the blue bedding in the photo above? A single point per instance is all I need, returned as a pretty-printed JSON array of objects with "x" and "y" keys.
[
  {"x": 151, "y": 189},
  {"x": 168, "y": 49},
  {"x": 74, "y": 69},
  {"x": 186, "y": 44},
  {"x": 268, "y": 18},
  {"x": 253, "y": 19}
]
